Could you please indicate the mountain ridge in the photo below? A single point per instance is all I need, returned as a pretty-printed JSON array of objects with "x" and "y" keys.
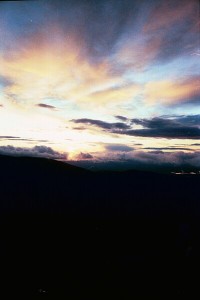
[{"x": 79, "y": 234}]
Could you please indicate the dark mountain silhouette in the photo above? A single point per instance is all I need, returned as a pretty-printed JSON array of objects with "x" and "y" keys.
[{"x": 68, "y": 233}]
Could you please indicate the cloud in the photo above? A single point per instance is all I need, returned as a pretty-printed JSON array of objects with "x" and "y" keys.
[
  {"x": 179, "y": 127},
  {"x": 5, "y": 81},
  {"x": 82, "y": 156},
  {"x": 79, "y": 128},
  {"x": 93, "y": 57},
  {"x": 17, "y": 138},
  {"x": 174, "y": 22},
  {"x": 114, "y": 94},
  {"x": 174, "y": 158},
  {"x": 118, "y": 148},
  {"x": 191, "y": 120},
  {"x": 184, "y": 127},
  {"x": 172, "y": 92},
  {"x": 168, "y": 122},
  {"x": 121, "y": 118},
  {"x": 137, "y": 53},
  {"x": 167, "y": 148},
  {"x": 7, "y": 137},
  {"x": 109, "y": 20},
  {"x": 161, "y": 159},
  {"x": 168, "y": 133},
  {"x": 102, "y": 124},
  {"x": 167, "y": 13},
  {"x": 37, "y": 151},
  {"x": 163, "y": 31},
  {"x": 151, "y": 160},
  {"x": 64, "y": 64},
  {"x": 45, "y": 106},
  {"x": 71, "y": 64},
  {"x": 44, "y": 71}
]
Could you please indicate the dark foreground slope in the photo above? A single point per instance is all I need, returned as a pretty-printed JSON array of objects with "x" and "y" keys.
[{"x": 67, "y": 233}]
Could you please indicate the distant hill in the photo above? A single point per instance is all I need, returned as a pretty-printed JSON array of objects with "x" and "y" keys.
[
  {"x": 125, "y": 165},
  {"x": 41, "y": 184}
]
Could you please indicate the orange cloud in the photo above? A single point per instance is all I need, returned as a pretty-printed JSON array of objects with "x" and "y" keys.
[
  {"x": 168, "y": 91},
  {"x": 121, "y": 94},
  {"x": 45, "y": 70}
]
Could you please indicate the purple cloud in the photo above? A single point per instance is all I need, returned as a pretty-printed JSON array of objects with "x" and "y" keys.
[{"x": 37, "y": 151}]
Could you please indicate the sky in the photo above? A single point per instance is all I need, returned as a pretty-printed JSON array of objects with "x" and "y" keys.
[{"x": 101, "y": 80}]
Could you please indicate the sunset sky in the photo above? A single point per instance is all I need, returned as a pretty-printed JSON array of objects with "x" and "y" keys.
[{"x": 86, "y": 80}]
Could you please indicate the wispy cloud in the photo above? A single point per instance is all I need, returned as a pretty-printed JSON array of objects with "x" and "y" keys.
[
  {"x": 88, "y": 61},
  {"x": 17, "y": 138},
  {"x": 4, "y": 81},
  {"x": 7, "y": 137},
  {"x": 172, "y": 92},
  {"x": 118, "y": 148},
  {"x": 167, "y": 148},
  {"x": 115, "y": 94}
]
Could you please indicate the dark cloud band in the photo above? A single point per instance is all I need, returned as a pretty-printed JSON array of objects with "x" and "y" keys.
[
  {"x": 180, "y": 127},
  {"x": 102, "y": 124}
]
